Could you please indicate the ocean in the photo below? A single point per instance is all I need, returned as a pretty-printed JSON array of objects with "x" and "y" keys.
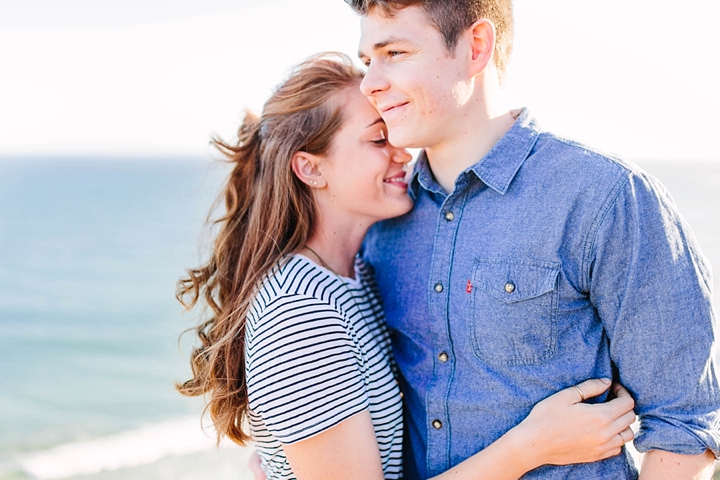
[{"x": 90, "y": 251}]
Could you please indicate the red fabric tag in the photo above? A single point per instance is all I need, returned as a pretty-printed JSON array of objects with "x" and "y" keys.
[{"x": 468, "y": 287}]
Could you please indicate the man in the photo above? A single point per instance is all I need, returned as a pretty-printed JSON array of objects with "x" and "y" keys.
[{"x": 529, "y": 263}]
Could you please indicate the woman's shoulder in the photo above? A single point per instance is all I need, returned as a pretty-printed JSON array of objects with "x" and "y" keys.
[
  {"x": 291, "y": 276},
  {"x": 297, "y": 274},
  {"x": 291, "y": 320},
  {"x": 294, "y": 293}
]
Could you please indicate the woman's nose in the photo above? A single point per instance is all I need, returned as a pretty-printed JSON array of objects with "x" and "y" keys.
[{"x": 400, "y": 155}]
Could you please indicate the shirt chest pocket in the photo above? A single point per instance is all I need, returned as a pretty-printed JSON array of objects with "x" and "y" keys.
[{"x": 515, "y": 303}]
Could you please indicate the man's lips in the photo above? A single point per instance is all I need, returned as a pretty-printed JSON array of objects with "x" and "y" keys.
[{"x": 392, "y": 108}]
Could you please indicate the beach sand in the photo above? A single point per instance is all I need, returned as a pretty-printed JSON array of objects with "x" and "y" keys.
[{"x": 227, "y": 463}]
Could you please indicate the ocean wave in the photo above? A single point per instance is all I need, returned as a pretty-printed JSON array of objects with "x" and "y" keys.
[{"x": 147, "y": 444}]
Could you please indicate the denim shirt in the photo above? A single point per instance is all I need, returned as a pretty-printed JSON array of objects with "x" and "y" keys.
[{"x": 548, "y": 264}]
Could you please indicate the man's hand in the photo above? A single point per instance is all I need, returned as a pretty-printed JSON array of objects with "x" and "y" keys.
[
  {"x": 255, "y": 467},
  {"x": 661, "y": 465}
]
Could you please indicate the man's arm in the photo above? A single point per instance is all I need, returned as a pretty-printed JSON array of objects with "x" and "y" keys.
[
  {"x": 661, "y": 465},
  {"x": 651, "y": 287}
]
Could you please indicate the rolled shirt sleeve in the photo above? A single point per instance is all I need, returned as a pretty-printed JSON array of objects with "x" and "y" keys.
[{"x": 651, "y": 287}]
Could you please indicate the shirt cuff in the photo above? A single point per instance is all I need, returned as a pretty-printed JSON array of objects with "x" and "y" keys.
[{"x": 672, "y": 435}]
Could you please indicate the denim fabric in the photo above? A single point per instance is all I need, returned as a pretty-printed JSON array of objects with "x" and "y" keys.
[{"x": 548, "y": 264}]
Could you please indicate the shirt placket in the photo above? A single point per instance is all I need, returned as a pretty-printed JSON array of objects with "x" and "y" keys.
[{"x": 438, "y": 421}]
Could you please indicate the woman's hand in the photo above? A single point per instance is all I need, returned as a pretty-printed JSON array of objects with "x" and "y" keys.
[
  {"x": 255, "y": 466},
  {"x": 561, "y": 430}
]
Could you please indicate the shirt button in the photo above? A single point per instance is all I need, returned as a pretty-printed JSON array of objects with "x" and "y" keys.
[
  {"x": 509, "y": 287},
  {"x": 438, "y": 287},
  {"x": 437, "y": 424},
  {"x": 449, "y": 216},
  {"x": 443, "y": 357}
]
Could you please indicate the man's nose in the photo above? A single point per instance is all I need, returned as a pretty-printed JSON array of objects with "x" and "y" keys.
[{"x": 373, "y": 82}]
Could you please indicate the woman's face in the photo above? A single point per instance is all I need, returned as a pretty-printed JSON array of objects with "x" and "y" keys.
[{"x": 365, "y": 175}]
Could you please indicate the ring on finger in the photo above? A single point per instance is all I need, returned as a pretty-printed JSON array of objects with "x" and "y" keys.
[
  {"x": 622, "y": 438},
  {"x": 582, "y": 396}
]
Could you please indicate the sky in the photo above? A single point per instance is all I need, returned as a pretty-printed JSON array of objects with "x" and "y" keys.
[{"x": 159, "y": 78}]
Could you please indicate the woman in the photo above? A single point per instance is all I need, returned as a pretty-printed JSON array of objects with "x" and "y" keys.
[{"x": 296, "y": 356}]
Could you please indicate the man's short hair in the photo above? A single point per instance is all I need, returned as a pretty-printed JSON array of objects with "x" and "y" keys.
[{"x": 452, "y": 17}]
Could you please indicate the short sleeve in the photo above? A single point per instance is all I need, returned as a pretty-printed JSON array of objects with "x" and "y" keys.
[
  {"x": 303, "y": 369},
  {"x": 651, "y": 287}
]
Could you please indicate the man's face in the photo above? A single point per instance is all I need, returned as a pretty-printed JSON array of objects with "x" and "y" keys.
[{"x": 418, "y": 87}]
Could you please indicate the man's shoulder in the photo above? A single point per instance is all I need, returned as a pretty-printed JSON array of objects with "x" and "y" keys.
[
  {"x": 570, "y": 153},
  {"x": 576, "y": 166}
]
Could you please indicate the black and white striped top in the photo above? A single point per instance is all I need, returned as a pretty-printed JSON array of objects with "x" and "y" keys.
[{"x": 317, "y": 352}]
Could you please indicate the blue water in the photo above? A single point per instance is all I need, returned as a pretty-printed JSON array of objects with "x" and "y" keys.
[{"x": 89, "y": 255}]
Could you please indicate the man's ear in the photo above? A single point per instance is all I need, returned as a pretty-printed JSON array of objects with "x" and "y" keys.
[
  {"x": 482, "y": 45},
  {"x": 305, "y": 167}
]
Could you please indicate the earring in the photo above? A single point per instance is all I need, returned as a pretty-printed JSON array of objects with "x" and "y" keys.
[{"x": 314, "y": 182}]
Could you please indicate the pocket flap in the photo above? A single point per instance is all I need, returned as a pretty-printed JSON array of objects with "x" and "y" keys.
[{"x": 515, "y": 279}]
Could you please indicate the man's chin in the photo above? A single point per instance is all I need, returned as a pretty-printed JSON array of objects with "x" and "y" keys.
[{"x": 401, "y": 137}]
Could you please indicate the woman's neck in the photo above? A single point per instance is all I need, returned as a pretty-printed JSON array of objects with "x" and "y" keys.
[{"x": 336, "y": 246}]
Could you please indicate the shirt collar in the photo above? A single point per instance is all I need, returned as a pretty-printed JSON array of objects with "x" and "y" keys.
[
  {"x": 422, "y": 176},
  {"x": 499, "y": 167}
]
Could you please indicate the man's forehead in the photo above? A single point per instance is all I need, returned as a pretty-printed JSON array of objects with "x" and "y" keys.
[
  {"x": 378, "y": 30},
  {"x": 372, "y": 27}
]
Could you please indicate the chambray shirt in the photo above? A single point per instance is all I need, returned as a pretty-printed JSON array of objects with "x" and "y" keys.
[{"x": 548, "y": 264}]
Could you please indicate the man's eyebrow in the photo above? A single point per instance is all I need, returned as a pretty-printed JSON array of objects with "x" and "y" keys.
[{"x": 383, "y": 44}]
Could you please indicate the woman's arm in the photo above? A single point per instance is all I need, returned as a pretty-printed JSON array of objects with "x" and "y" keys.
[
  {"x": 349, "y": 450},
  {"x": 560, "y": 430}
]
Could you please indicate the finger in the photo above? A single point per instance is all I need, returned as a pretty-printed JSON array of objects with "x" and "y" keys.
[
  {"x": 620, "y": 439},
  {"x": 620, "y": 405},
  {"x": 614, "y": 446},
  {"x": 627, "y": 435},
  {"x": 616, "y": 414},
  {"x": 610, "y": 452},
  {"x": 620, "y": 391},
  {"x": 623, "y": 422},
  {"x": 591, "y": 388}
]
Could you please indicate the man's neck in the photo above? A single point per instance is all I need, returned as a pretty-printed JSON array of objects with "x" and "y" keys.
[{"x": 481, "y": 129}]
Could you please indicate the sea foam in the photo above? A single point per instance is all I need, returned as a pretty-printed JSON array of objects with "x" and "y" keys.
[{"x": 147, "y": 444}]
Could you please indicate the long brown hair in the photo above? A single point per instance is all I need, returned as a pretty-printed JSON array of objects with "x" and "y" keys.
[{"x": 269, "y": 213}]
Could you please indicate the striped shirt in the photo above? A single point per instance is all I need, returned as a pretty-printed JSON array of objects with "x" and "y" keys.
[{"x": 317, "y": 352}]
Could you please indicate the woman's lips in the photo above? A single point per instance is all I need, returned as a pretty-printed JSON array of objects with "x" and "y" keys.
[{"x": 398, "y": 180}]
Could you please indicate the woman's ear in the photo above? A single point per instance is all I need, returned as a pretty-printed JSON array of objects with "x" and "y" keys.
[{"x": 305, "y": 167}]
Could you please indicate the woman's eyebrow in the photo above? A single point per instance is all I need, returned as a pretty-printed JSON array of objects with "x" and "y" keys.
[{"x": 377, "y": 120}]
